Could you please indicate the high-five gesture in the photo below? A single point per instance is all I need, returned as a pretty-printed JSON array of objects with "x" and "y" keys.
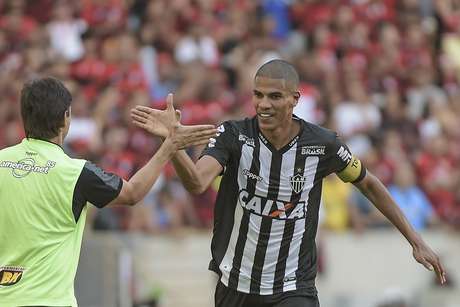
[{"x": 166, "y": 124}]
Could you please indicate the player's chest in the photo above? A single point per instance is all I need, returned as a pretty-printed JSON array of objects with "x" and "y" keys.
[{"x": 286, "y": 173}]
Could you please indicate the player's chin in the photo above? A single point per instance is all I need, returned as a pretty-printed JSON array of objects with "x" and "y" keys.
[{"x": 267, "y": 123}]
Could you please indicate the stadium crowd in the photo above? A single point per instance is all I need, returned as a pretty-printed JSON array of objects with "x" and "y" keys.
[{"x": 384, "y": 74}]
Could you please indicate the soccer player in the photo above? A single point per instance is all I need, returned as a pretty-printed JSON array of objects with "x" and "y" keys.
[
  {"x": 266, "y": 212},
  {"x": 44, "y": 192}
]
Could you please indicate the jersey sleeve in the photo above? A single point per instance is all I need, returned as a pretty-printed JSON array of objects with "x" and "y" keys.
[
  {"x": 347, "y": 167},
  {"x": 220, "y": 147},
  {"x": 96, "y": 187}
]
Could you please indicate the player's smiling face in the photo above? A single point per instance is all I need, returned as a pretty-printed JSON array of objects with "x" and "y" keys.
[{"x": 274, "y": 102}]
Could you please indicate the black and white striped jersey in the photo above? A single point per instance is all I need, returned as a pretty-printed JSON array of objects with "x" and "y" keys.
[{"x": 266, "y": 212}]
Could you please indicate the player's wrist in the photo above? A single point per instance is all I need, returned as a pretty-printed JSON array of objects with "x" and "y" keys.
[
  {"x": 167, "y": 148},
  {"x": 416, "y": 241}
]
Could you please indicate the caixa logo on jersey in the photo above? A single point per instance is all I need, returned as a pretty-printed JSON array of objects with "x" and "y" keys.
[
  {"x": 272, "y": 208},
  {"x": 10, "y": 275}
]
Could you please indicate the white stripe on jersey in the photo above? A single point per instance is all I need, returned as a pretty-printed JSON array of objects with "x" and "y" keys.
[
  {"x": 250, "y": 246},
  {"x": 271, "y": 257},
  {"x": 244, "y": 282},
  {"x": 265, "y": 159},
  {"x": 277, "y": 229},
  {"x": 293, "y": 256},
  {"x": 226, "y": 264},
  {"x": 311, "y": 164}
]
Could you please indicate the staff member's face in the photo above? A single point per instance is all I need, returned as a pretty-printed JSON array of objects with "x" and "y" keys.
[{"x": 274, "y": 102}]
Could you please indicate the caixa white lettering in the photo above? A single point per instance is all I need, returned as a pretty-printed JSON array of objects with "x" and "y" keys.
[{"x": 272, "y": 208}]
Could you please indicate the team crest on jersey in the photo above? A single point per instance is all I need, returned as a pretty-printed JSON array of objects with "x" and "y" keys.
[
  {"x": 297, "y": 182},
  {"x": 10, "y": 275}
]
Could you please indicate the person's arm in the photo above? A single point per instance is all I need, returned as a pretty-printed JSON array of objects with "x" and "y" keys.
[
  {"x": 179, "y": 137},
  {"x": 376, "y": 192},
  {"x": 350, "y": 169},
  {"x": 135, "y": 189},
  {"x": 102, "y": 188},
  {"x": 196, "y": 178}
]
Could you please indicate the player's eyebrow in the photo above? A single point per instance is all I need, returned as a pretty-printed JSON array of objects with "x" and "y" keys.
[{"x": 257, "y": 92}]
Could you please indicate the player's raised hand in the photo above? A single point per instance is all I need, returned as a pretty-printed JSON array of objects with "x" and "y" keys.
[
  {"x": 156, "y": 122},
  {"x": 182, "y": 136},
  {"x": 424, "y": 255},
  {"x": 166, "y": 124}
]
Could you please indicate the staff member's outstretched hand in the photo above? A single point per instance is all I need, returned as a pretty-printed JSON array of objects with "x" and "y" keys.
[{"x": 166, "y": 124}]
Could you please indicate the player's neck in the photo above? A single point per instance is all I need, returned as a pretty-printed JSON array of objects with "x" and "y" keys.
[
  {"x": 281, "y": 136},
  {"x": 58, "y": 140}
]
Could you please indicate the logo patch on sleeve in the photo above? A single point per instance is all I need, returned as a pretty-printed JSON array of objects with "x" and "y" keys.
[
  {"x": 344, "y": 154},
  {"x": 10, "y": 275}
]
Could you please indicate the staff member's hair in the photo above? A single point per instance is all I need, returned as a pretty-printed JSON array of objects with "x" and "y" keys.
[{"x": 44, "y": 102}]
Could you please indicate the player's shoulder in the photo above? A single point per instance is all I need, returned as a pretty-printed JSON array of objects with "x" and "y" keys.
[
  {"x": 80, "y": 162},
  {"x": 66, "y": 162},
  {"x": 237, "y": 126},
  {"x": 9, "y": 149},
  {"x": 318, "y": 133}
]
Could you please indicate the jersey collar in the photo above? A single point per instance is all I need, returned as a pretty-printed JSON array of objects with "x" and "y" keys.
[
  {"x": 286, "y": 147},
  {"x": 40, "y": 142}
]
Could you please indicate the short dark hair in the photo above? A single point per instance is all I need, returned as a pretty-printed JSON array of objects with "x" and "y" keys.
[
  {"x": 44, "y": 103},
  {"x": 279, "y": 69}
]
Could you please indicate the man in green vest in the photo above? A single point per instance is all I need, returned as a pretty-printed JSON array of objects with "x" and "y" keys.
[{"x": 44, "y": 192}]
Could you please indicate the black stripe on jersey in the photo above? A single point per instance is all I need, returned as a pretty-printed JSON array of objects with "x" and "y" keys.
[
  {"x": 224, "y": 215},
  {"x": 243, "y": 231},
  {"x": 266, "y": 225},
  {"x": 307, "y": 267},
  {"x": 289, "y": 226}
]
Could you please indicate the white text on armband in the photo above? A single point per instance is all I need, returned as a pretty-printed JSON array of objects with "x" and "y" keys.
[{"x": 352, "y": 171}]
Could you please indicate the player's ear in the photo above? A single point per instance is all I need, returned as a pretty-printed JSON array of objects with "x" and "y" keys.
[
  {"x": 296, "y": 98},
  {"x": 68, "y": 112},
  {"x": 67, "y": 119}
]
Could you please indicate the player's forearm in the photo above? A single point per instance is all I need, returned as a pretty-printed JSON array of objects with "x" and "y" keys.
[
  {"x": 141, "y": 182},
  {"x": 376, "y": 192},
  {"x": 188, "y": 172}
]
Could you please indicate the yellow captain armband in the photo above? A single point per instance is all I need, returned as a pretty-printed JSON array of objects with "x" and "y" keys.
[{"x": 353, "y": 172}]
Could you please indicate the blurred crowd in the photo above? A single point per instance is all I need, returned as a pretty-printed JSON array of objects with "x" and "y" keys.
[{"x": 385, "y": 74}]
